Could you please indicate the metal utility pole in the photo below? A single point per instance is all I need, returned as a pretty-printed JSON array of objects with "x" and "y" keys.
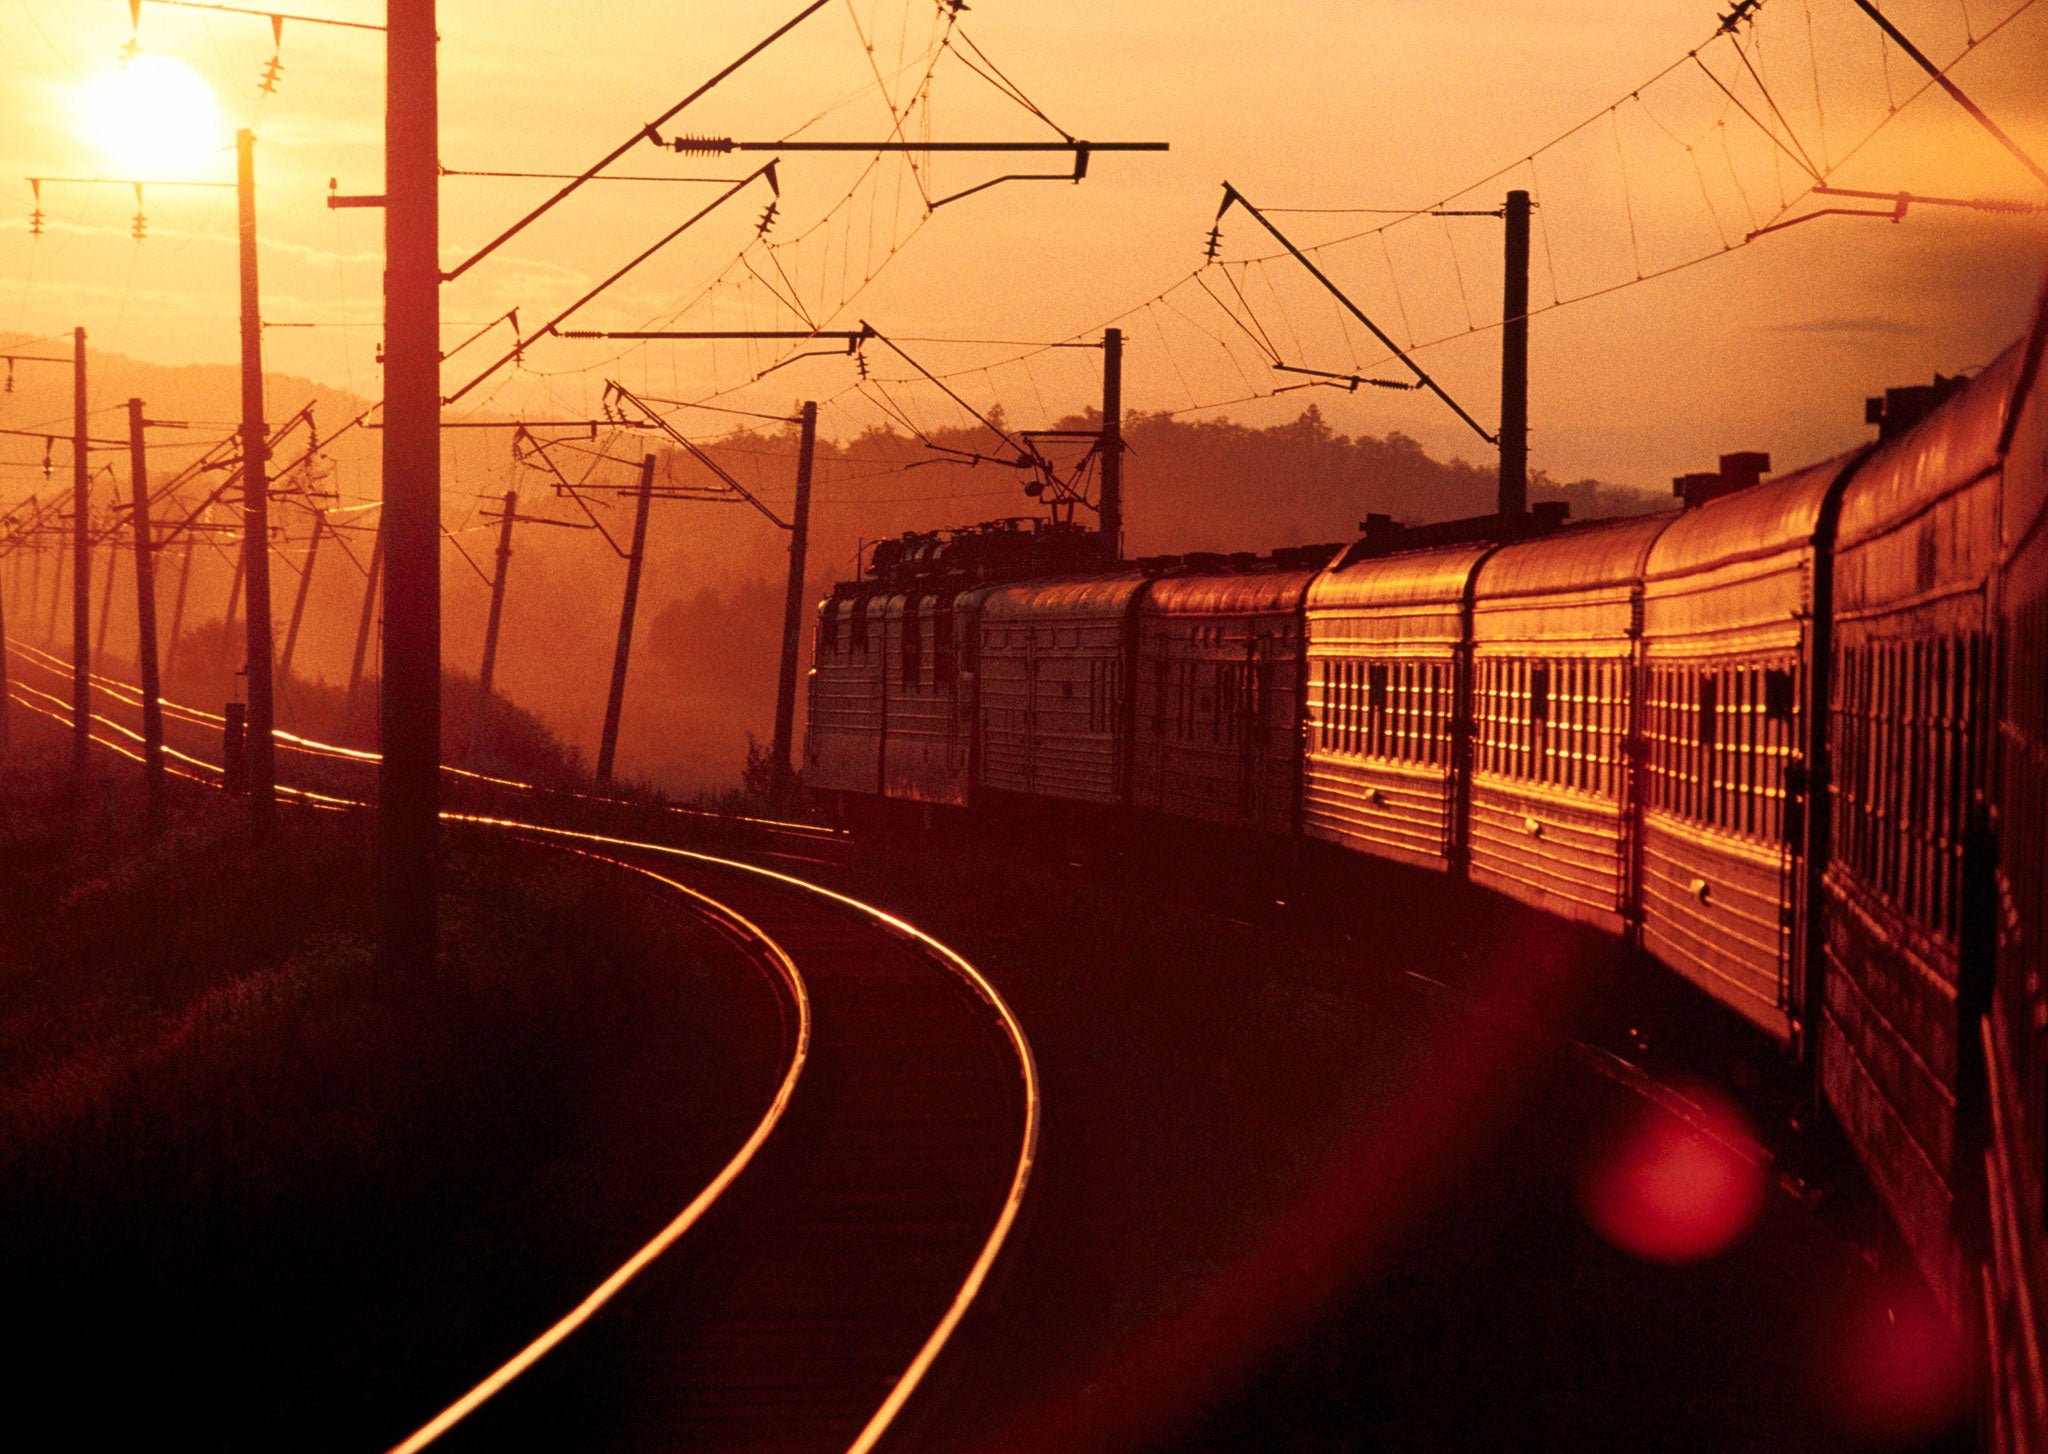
[
  {"x": 227, "y": 623},
  {"x": 1111, "y": 514},
  {"x": 793, "y": 606},
  {"x": 56, "y": 596},
  {"x": 255, "y": 509},
  {"x": 1514, "y": 361},
  {"x": 369, "y": 617},
  {"x": 145, "y": 621},
  {"x": 408, "y": 780},
  {"x": 178, "y": 607},
  {"x": 81, "y": 568},
  {"x": 106, "y": 618},
  {"x": 490, "y": 662},
  {"x": 291, "y": 632},
  {"x": 609, "y": 743}
]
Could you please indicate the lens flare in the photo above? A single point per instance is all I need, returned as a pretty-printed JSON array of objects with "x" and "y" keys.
[
  {"x": 154, "y": 116},
  {"x": 1674, "y": 1189}
]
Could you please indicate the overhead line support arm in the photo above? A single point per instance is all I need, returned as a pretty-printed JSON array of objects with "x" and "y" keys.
[
  {"x": 519, "y": 345},
  {"x": 1232, "y": 196},
  {"x": 643, "y": 133}
]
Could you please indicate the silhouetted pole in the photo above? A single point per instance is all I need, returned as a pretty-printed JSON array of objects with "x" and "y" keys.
[
  {"x": 1514, "y": 362},
  {"x": 793, "y": 607},
  {"x": 227, "y": 625},
  {"x": 81, "y": 567},
  {"x": 490, "y": 663},
  {"x": 1112, "y": 511},
  {"x": 255, "y": 510},
  {"x": 145, "y": 621},
  {"x": 178, "y": 607},
  {"x": 608, "y": 745},
  {"x": 291, "y": 632},
  {"x": 408, "y": 782},
  {"x": 56, "y": 596},
  {"x": 369, "y": 617},
  {"x": 99, "y": 638}
]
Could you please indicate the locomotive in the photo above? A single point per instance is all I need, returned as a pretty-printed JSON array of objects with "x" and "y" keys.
[{"x": 1791, "y": 740}]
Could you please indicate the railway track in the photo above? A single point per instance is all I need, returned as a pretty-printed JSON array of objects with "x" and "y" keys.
[{"x": 802, "y": 1296}]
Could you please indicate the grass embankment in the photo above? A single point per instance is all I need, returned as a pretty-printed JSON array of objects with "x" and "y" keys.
[{"x": 255, "y": 1199}]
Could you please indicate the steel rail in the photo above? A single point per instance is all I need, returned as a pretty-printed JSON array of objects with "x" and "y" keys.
[
  {"x": 977, "y": 1275},
  {"x": 906, "y": 1384},
  {"x": 603, "y": 1293}
]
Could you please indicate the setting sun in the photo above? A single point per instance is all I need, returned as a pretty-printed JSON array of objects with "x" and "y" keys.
[{"x": 154, "y": 116}]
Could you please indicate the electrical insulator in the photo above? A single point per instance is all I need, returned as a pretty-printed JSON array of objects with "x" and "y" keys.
[
  {"x": 1215, "y": 244},
  {"x": 703, "y": 145},
  {"x": 271, "y": 70},
  {"x": 140, "y": 229},
  {"x": 49, "y": 465},
  {"x": 10, "y": 375},
  {"x": 767, "y": 218}
]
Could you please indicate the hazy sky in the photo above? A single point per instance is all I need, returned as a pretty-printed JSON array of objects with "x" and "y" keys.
[{"x": 1323, "y": 104}]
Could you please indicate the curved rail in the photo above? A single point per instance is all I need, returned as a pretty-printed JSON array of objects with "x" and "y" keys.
[
  {"x": 533, "y": 1352},
  {"x": 907, "y": 1382},
  {"x": 920, "y": 1364}
]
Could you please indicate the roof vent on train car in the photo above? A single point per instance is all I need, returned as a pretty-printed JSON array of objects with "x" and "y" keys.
[
  {"x": 1548, "y": 515},
  {"x": 1738, "y": 472},
  {"x": 1900, "y": 409}
]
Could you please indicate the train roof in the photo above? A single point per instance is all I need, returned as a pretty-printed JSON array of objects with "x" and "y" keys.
[
  {"x": 1415, "y": 578},
  {"x": 1071, "y": 596},
  {"x": 1747, "y": 524},
  {"x": 1956, "y": 443},
  {"x": 1256, "y": 593},
  {"x": 1586, "y": 557}
]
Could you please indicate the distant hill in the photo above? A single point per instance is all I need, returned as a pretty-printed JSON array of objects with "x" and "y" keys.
[{"x": 703, "y": 673}]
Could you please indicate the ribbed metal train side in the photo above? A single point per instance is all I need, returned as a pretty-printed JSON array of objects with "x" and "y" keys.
[
  {"x": 1910, "y": 743},
  {"x": 1556, "y": 630},
  {"x": 1054, "y": 661},
  {"x": 1731, "y": 603},
  {"x": 1217, "y": 704},
  {"x": 1388, "y": 645},
  {"x": 843, "y": 733},
  {"x": 927, "y": 727}
]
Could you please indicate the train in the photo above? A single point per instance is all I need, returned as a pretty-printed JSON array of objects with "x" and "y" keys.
[{"x": 1789, "y": 738}]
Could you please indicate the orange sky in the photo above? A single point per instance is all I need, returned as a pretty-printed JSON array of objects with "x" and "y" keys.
[{"x": 1314, "y": 105}]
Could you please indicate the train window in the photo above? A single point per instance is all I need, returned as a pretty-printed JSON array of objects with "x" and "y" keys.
[
  {"x": 1778, "y": 696},
  {"x": 857, "y": 627},
  {"x": 828, "y": 629},
  {"x": 913, "y": 646},
  {"x": 1539, "y": 693},
  {"x": 944, "y": 662},
  {"x": 1376, "y": 686}
]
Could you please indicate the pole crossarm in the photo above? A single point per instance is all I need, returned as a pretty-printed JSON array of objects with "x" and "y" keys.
[
  {"x": 1027, "y": 456},
  {"x": 765, "y": 172},
  {"x": 1078, "y": 149},
  {"x": 1955, "y": 92},
  {"x": 270, "y": 15},
  {"x": 851, "y": 337},
  {"x": 634, "y": 140},
  {"x": 562, "y": 485},
  {"x": 1233, "y": 197},
  {"x": 615, "y": 390},
  {"x": 1351, "y": 382}
]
